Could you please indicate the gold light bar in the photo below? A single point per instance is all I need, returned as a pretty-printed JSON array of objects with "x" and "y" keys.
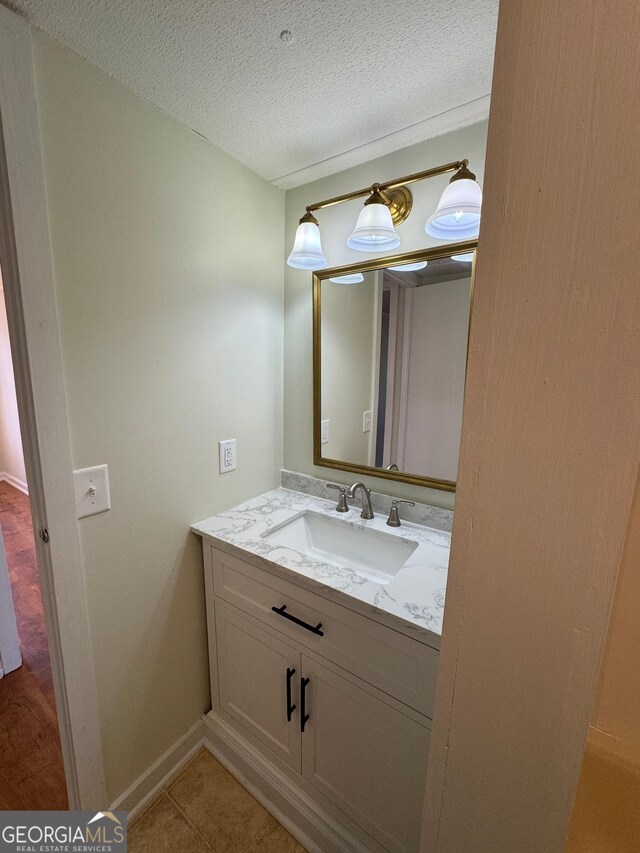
[
  {"x": 390, "y": 185},
  {"x": 389, "y": 204}
]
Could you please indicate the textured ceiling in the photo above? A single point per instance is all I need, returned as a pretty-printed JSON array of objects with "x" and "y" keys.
[{"x": 352, "y": 73}]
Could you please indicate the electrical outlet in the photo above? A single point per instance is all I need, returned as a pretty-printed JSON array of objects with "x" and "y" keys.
[
  {"x": 366, "y": 421},
  {"x": 227, "y": 455},
  {"x": 324, "y": 432}
]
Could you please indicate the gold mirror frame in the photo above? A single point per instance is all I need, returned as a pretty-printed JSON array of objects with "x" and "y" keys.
[{"x": 362, "y": 267}]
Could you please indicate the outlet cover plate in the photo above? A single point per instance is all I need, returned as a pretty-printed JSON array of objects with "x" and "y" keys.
[
  {"x": 227, "y": 455},
  {"x": 92, "y": 490}
]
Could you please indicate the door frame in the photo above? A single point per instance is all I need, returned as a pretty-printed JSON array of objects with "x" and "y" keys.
[
  {"x": 10, "y": 657},
  {"x": 25, "y": 257},
  {"x": 550, "y": 448}
]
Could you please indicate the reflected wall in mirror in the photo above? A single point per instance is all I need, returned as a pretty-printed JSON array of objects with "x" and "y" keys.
[{"x": 390, "y": 354}]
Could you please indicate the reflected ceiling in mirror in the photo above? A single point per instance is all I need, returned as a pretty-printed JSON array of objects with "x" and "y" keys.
[{"x": 390, "y": 355}]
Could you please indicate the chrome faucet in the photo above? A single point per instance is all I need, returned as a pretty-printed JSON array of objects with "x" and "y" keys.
[{"x": 367, "y": 510}]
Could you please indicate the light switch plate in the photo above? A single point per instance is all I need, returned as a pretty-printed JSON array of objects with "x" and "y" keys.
[
  {"x": 92, "y": 490},
  {"x": 366, "y": 421},
  {"x": 324, "y": 432}
]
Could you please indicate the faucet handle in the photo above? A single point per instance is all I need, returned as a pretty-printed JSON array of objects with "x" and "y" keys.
[
  {"x": 394, "y": 517},
  {"x": 342, "y": 506}
]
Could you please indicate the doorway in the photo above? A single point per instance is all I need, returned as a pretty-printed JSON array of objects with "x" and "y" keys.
[
  {"x": 25, "y": 256},
  {"x": 32, "y": 771}
]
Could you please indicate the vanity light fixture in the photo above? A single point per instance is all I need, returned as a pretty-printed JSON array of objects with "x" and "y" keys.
[
  {"x": 307, "y": 251},
  {"x": 374, "y": 231},
  {"x": 419, "y": 265},
  {"x": 456, "y": 218},
  {"x": 354, "y": 278}
]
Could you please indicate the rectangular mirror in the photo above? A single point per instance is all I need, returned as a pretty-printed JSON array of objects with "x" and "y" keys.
[{"x": 390, "y": 355}]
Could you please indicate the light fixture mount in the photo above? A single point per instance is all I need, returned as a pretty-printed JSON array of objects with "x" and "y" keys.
[
  {"x": 308, "y": 217},
  {"x": 463, "y": 173},
  {"x": 400, "y": 203},
  {"x": 377, "y": 196}
]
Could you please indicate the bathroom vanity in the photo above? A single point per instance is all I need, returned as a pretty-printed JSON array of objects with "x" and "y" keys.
[
  {"x": 324, "y": 625},
  {"x": 324, "y": 633}
]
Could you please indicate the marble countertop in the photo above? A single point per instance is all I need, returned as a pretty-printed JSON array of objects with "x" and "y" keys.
[{"x": 414, "y": 598}]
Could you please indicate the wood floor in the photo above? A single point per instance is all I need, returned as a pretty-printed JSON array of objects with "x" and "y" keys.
[{"x": 31, "y": 770}]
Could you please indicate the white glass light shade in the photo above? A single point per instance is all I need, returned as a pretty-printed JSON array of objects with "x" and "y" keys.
[
  {"x": 355, "y": 278},
  {"x": 464, "y": 259},
  {"x": 419, "y": 265},
  {"x": 307, "y": 251},
  {"x": 374, "y": 231},
  {"x": 457, "y": 216}
]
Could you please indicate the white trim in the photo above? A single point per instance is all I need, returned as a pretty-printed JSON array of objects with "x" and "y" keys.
[
  {"x": 454, "y": 119},
  {"x": 25, "y": 254},
  {"x": 20, "y": 485},
  {"x": 378, "y": 277},
  {"x": 389, "y": 452},
  {"x": 305, "y": 820},
  {"x": 408, "y": 295},
  {"x": 161, "y": 773}
]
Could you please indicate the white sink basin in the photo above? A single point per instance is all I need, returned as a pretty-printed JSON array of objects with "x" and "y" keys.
[{"x": 372, "y": 554}]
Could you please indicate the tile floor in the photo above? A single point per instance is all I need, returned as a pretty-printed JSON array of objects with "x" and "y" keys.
[
  {"x": 205, "y": 810},
  {"x": 31, "y": 770}
]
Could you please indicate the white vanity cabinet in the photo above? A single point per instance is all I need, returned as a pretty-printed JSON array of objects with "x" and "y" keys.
[
  {"x": 255, "y": 669},
  {"x": 365, "y": 755},
  {"x": 337, "y": 703}
]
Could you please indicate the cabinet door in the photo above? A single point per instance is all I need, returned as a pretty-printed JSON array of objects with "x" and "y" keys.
[
  {"x": 257, "y": 675},
  {"x": 366, "y": 756}
]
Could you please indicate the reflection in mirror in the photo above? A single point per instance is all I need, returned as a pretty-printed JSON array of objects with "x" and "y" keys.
[{"x": 391, "y": 364}]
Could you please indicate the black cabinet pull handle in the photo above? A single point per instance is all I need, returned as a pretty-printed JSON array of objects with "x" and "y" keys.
[
  {"x": 290, "y": 708},
  {"x": 303, "y": 699},
  {"x": 281, "y": 611}
]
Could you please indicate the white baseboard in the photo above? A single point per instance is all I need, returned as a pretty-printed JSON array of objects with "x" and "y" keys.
[
  {"x": 614, "y": 749},
  {"x": 20, "y": 485},
  {"x": 161, "y": 773},
  {"x": 316, "y": 829},
  {"x": 305, "y": 820}
]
